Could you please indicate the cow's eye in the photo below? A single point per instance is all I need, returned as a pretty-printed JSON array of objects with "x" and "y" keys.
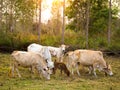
[{"x": 44, "y": 69}]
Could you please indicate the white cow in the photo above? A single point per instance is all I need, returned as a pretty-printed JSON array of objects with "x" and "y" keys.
[
  {"x": 29, "y": 59},
  {"x": 43, "y": 51},
  {"x": 92, "y": 59},
  {"x": 58, "y": 52}
]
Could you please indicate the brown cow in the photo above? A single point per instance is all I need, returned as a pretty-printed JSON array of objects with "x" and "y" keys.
[{"x": 62, "y": 67}]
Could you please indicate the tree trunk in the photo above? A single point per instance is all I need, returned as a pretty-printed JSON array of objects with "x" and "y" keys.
[
  {"x": 1, "y": 4},
  {"x": 109, "y": 23},
  {"x": 39, "y": 26},
  {"x": 87, "y": 23},
  {"x": 11, "y": 17},
  {"x": 63, "y": 26}
]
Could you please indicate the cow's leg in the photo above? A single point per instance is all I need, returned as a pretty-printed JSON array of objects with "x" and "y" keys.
[
  {"x": 68, "y": 63},
  {"x": 72, "y": 71},
  {"x": 77, "y": 68},
  {"x": 31, "y": 69},
  {"x": 94, "y": 70},
  {"x": 18, "y": 72},
  {"x": 90, "y": 69},
  {"x": 13, "y": 68},
  {"x": 61, "y": 59},
  {"x": 71, "y": 68},
  {"x": 16, "y": 68},
  {"x": 39, "y": 71}
]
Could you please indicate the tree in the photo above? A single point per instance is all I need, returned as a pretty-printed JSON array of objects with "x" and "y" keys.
[
  {"x": 76, "y": 13},
  {"x": 109, "y": 23},
  {"x": 1, "y": 6},
  {"x": 63, "y": 25},
  {"x": 56, "y": 17},
  {"x": 39, "y": 27},
  {"x": 97, "y": 26},
  {"x": 87, "y": 23}
]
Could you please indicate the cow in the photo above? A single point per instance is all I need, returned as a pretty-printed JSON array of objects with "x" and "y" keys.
[
  {"x": 58, "y": 52},
  {"x": 54, "y": 51},
  {"x": 29, "y": 59},
  {"x": 92, "y": 59},
  {"x": 43, "y": 51}
]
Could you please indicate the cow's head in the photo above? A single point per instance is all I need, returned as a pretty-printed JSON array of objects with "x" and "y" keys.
[
  {"x": 63, "y": 47},
  {"x": 108, "y": 70},
  {"x": 46, "y": 73}
]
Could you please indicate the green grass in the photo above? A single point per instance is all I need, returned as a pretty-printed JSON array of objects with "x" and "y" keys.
[{"x": 59, "y": 82}]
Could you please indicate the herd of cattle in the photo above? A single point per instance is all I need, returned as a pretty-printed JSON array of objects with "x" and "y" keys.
[{"x": 40, "y": 58}]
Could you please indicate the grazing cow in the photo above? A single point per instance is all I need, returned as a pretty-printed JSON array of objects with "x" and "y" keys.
[
  {"x": 29, "y": 59},
  {"x": 62, "y": 67},
  {"x": 43, "y": 51},
  {"x": 58, "y": 52},
  {"x": 92, "y": 59}
]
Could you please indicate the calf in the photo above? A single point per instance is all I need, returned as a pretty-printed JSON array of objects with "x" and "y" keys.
[{"x": 62, "y": 67}]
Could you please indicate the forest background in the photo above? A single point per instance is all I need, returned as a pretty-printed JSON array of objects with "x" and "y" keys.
[{"x": 91, "y": 24}]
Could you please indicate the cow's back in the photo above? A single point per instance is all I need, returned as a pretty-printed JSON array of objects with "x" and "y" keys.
[
  {"x": 28, "y": 58},
  {"x": 88, "y": 57},
  {"x": 34, "y": 47}
]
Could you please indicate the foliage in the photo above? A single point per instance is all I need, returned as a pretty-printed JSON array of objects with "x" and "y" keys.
[
  {"x": 17, "y": 12},
  {"x": 18, "y": 29},
  {"x": 98, "y": 15},
  {"x": 56, "y": 19},
  {"x": 17, "y": 40},
  {"x": 76, "y": 13}
]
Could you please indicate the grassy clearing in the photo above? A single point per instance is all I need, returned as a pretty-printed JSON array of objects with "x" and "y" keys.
[{"x": 58, "y": 82}]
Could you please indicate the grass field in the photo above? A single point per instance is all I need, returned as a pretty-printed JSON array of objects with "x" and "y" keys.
[{"x": 58, "y": 81}]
